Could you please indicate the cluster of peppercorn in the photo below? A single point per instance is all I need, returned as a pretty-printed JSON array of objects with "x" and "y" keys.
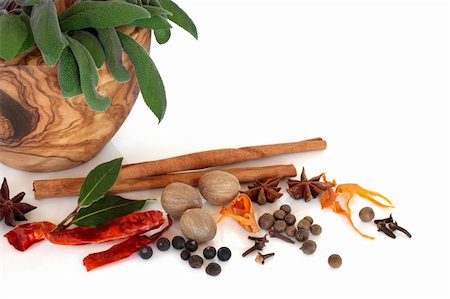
[
  {"x": 281, "y": 225},
  {"x": 188, "y": 248}
]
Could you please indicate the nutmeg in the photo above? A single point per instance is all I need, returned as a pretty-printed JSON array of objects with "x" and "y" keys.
[
  {"x": 198, "y": 225},
  {"x": 176, "y": 198},
  {"x": 219, "y": 187}
]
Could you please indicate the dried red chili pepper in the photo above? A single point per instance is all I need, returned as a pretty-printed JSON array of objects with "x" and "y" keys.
[
  {"x": 122, "y": 250},
  {"x": 120, "y": 228},
  {"x": 25, "y": 235}
]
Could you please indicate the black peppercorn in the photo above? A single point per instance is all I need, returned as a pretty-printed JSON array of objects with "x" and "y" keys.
[
  {"x": 291, "y": 230},
  {"x": 286, "y": 208},
  {"x": 309, "y": 247},
  {"x": 209, "y": 252},
  {"x": 146, "y": 252},
  {"x": 290, "y": 219},
  {"x": 178, "y": 242},
  {"x": 191, "y": 245},
  {"x": 280, "y": 226},
  {"x": 315, "y": 229},
  {"x": 279, "y": 214},
  {"x": 196, "y": 261},
  {"x": 309, "y": 218},
  {"x": 163, "y": 244},
  {"x": 304, "y": 223},
  {"x": 366, "y": 214},
  {"x": 302, "y": 234},
  {"x": 266, "y": 221},
  {"x": 185, "y": 255},
  {"x": 213, "y": 269},
  {"x": 335, "y": 261},
  {"x": 224, "y": 254}
]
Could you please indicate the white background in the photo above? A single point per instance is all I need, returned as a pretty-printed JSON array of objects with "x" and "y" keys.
[{"x": 371, "y": 77}]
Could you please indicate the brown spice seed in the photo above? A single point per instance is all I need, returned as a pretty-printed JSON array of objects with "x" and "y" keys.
[
  {"x": 279, "y": 214},
  {"x": 366, "y": 214},
  {"x": 302, "y": 235},
  {"x": 309, "y": 247},
  {"x": 266, "y": 221},
  {"x": 310, "y": 219},
  {"x": 290, "y": 219},
  {"x": 286, "y": 208},
  {"x": 335, "y": 261},
  {"x": 280, "y": 226},
  {"x": 291, "y": 230},
  {"x": 316, "y": 229},
  {"x": 304, "y": 224}
]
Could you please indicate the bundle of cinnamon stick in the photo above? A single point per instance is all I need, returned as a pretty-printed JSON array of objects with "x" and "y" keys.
[{"x": 160, "y": 173}]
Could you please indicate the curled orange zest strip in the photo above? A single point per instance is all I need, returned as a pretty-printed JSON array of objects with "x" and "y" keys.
[
  {"x": 241, "y": 209},
  {"x": 352, "y": 189},
  {"x": 339, "y": 210}
]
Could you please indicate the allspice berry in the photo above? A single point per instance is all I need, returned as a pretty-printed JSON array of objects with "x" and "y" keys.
[
  {"x": 309, "y": 218},
  {"x": 302, "y": 234},
  {"x": 280, "y": 226},
  {"x": 219, "y": 187},
  {"x": 315, "y": 229},
  {"x": 290, "y": 219},
  {"x": 309, "y": 247},
  {"x": 335, "y": 261},
  {"x": 266, "y": 221},
  {"x": 304, "y": 223},
  {"x": 198, "y": 225},
  {"x": 286, "y": 208},
  {"x": 279, "y": 214},
  {"x": 366, "y": 214},
  {"x": 291, "y": 230},
  {"x": 176, "y": 198}
]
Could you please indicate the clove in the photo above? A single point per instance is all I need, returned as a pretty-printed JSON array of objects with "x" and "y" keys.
[
  {"x": 275, "y": 234},
  {"x": 393, "y": 226},
  {"x": 261, "y": 258},
  {"x": 259, "y": 245},
  {"x": 385, "y": 221},
  {"x": 261, "y": 239},
  {"x": 383, "y": 228}
]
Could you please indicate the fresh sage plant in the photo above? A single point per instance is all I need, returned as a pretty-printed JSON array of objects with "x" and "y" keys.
[{"x": 84, "y": 36}]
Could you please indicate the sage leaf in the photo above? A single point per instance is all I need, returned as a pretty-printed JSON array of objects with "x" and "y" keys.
[
  {"x": 106, "y": 209},
  {"x": 92, "y": 44},
  {"x": 29, "y": 41},
  {"x": 155, "y": 22},
  {"x": 179, "y": 17},
  {"x": 147, "y": 74},
  {"x": 46, "y": 31},
  {"x": 69, "y": 74},
  {"x": 113, "y": 51},
  {"x": 100, "y": 15},
  {"x": 28, "y": 2},
  {"x": 157, "y": 11},
  {"x": 99, "y": 181},
  {"x": 88, "y": 76},
  {"x": 162, "y": 35},
  {"x": 13, "y": 33}
]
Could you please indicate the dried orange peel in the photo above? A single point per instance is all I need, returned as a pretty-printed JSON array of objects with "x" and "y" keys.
[
  {"x": 241, "y": 209},
  {"x": 329, "y": 199}
]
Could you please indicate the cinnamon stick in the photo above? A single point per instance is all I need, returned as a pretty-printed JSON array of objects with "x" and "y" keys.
[
  {"x": 71, "y": 186},
  {"x": 215, "y": 158}
]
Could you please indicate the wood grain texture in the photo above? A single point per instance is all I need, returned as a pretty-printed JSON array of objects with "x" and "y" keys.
[{"x": 42, "y": 131}]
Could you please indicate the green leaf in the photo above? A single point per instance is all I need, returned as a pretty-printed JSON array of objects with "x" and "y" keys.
[
  {"x": 157, "y": 11},
  {"x": 155, "y": 22},
  {"x": 46, "y": 31},
  {"x": 28, "y": 2},
  {"x": 180, "y": 17},
  {"x": 149, "y": 80},
  {"x": 69, "y": 74},
  {"x": 88, "y": 76},
  {"x": 106, "y": 209},
  {"x": 29, "y": 41},
  {"x": 162, "y": 35},
  {"x": 113, "y": 51},
  {"x": 100, "y": 15},
  {"x": 99, "y": 181},
  {"x": 91, "y": 42},
  {"x": 13, "y": 33}
]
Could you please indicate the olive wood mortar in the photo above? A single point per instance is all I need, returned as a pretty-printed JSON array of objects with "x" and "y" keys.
[{"x": 42, "y": 131}]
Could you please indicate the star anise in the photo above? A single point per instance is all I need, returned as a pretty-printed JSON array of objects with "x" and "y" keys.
[
  {"x": 262, "y": 192},
  {"x": 307, "y": 189},
  {"x": 12, "y": 209}
]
